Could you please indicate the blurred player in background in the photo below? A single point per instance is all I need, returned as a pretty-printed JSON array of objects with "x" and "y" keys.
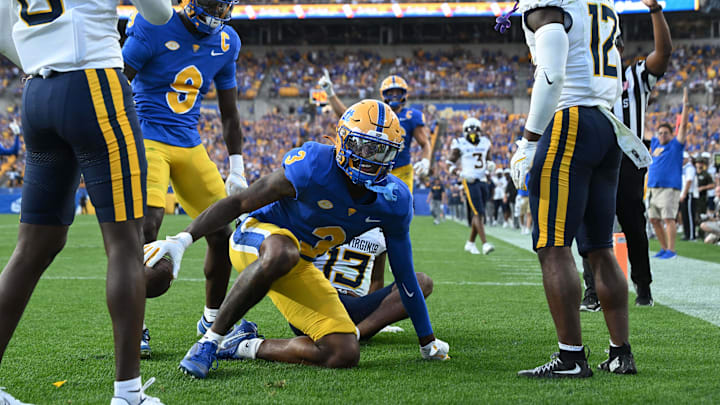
[
  {"x": 172, "y": 68},
  {"x": 473, "y": 152},
  {"x": 339, "y": 192},
  {"x": 394, "y": 92},
  {"x": 356, "y": 270},
  {"x": 435, "y": 199},
  {"x": 574, "y": 174},
  {"x": 78, "y": 117}
]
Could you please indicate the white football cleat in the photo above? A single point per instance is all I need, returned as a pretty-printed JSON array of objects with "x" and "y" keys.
[
  {"x": 470, "y": 247},
  {"x": 8, "y": 399},
  {"x": 487, "y": 248}
]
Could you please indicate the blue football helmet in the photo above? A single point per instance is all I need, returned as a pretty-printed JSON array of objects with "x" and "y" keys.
[
  {"x": 368, "y": 139},
  {"x": 208, "y": 16}
]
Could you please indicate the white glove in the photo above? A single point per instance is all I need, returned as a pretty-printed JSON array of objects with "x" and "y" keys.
[
  {"x": 326, "y": 83},
  {"x": 391, "y": 329},
  {"x": 521, "y": 162},
  {"x": 435, "y": 350},
  {"x": 15, "y": 128},
  {"x": 491, "y": 167},
  {"x": 422, "y": 168},
  {"x": 235, "y": 181},
  {"x": 174, "y": 246}
]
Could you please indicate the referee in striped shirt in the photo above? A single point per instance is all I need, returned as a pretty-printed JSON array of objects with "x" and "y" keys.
[{"x": 638, "y": 80}]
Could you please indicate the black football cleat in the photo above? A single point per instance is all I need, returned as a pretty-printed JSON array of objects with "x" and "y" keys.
[
  {"x": 619, "y": 362},
  {"x": 556, "y": 368}
]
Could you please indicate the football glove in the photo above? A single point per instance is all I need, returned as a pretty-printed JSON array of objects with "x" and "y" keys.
[
  {"x": 326, "y": 83},
  {"x": 235, "y": 181},
  {"x": 422, "y": 168},
  {"x": 435, "y": 350},
  {"x": 521, "y": 162},
  {"x": 173, "y": 246},
  {"x": 15, "y": 128}
]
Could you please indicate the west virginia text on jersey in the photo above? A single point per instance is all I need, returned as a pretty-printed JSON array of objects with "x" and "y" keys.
[{"x": 175, "y": 69}]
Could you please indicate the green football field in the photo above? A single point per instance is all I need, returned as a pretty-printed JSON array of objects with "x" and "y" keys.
[{"x": 491, "y": 309}]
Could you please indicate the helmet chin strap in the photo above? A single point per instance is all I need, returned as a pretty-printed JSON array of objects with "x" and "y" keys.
[{"x": 386, "y": 191}]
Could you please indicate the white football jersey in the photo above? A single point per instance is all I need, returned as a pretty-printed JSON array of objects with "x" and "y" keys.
[
  {"x": 473, "y": 158},
  {"x": 66, "y": 35},
  {"x": 593, "y": 75},
  {"x": 349, "y": 266}
]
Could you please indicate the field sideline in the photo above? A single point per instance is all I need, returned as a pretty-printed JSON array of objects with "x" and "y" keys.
[{"x": 491, "y": 309}]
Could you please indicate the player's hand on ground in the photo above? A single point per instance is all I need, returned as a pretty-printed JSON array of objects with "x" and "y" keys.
[
  {"x": 173, "y": 246},
  {"x": 391, "y": 329},
  {"x": 326, "y": 83},
  {"x": 235, "y": 182},
  {"x": 521, "y": 162},
  {"x": 422, "y": 168},
  {"x": 435, "y": 350}
]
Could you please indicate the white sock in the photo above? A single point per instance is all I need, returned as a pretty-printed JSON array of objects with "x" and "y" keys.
[
  {"x": 210, "y": 335},
  {"x": 569, "y": 348},
  {"x": 144, "y": 326},
  {"x": 129, "y": 390},
  {"x": 613, "y": 344},
  {"x": 249, "y": 348},
  {"x": 210, "y": 314}
]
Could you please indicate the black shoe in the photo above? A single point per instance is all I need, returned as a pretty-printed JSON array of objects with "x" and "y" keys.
[
  {"x": 590, "y": 304},
  {"x": 620, "y": 361},
  {"x": 556, "y": 368},
  {"x": 644, "y": 297}
]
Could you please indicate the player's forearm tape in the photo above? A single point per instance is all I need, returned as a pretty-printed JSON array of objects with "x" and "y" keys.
[
  {"x": 156, "y": 12},
  {"x": 236, "y": 162},
  {"x": 551, "y": 49},
  {"x": 399, "y": 253}
]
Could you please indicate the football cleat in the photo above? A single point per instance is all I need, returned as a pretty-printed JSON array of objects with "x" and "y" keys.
[
  {"x": 590, "y": 304},
  {"x": 144, "y": 398},
  {"x": 556, "y": 368},
  {"x": 487, "y": 248},
  {"x": 200, "y": 359},
  {"x": 470, "y": 247},
  {"x": 228, "y": 348},
  {"x": 145, "y": 343},
  {"x": 8, "y": 399},
  {"x": 203, "y": 326},
  {"x": 623, "y": 363}
]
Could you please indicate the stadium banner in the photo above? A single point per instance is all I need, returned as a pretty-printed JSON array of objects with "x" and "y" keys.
[
  {"x": 10, "y": 200},
  {"x": 405, "y": 10}
]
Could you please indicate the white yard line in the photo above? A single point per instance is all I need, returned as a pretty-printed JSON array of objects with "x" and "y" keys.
[{"x": 687, "y": 285}]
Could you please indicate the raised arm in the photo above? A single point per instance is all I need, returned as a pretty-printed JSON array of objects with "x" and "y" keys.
[
  {"x": 326, "y": 84},
  {"x": 682, "y": 131},
  {"x": 156, "y": 12},
  {"x": 657, "y": 61}
]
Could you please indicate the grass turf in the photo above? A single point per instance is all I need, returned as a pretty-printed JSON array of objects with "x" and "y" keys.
[{"x": 491, "y": 309}]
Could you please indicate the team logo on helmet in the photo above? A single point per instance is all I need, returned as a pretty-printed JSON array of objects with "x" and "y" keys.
[
  {"x": 368, "y": 139},
  {"x": 208, "y": 16},
  {"x": 394, "y": 91},
  {"x": 472, "y": 131}
]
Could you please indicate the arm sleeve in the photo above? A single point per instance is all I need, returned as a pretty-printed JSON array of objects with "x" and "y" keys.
[
  {"x": 7, "y": 20},
  {"x": 156, "y": 12},
  {"x": 399, "y": 252},
  {"x": 551, "y": 49},
  {"x": 297, "y": 170}
]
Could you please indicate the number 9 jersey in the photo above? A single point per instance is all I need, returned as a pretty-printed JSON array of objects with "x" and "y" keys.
[
  {"x": 592, "y": 73},
  {"x": 174, "y": 71}
]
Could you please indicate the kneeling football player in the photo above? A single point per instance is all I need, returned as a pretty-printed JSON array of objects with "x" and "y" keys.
[{"x": 321, "y": 197}]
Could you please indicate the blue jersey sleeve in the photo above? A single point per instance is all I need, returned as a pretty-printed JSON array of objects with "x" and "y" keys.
[
  {"x": 418, "y": 119},
  {"x": 297, "y": 169},
  {"x": 137, "y": 49},
  {"x": 226, "y": 78},
  {"x": 399, "y": 251}
]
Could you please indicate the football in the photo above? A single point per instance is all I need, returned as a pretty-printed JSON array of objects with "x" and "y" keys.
[{"x": 158, "y": 278}]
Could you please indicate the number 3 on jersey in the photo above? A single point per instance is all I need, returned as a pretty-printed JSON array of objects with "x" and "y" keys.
[
  {"x": 187, "y": 85},
  {"x": 43, "y": 16}
]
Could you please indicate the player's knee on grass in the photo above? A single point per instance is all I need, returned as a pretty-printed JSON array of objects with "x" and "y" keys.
[
  {"x": 339, "y": 350},
  {"x": 278, "y": 255},
  {"x": 426, "y": 283}
]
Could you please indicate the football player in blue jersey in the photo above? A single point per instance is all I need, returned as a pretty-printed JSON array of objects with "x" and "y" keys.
[
  {"x": 394, "y": 91},
  {"x": 172, "y": 67},
  {"x": 321, "y": 197},
  {"x": 15, "y": 148}
]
